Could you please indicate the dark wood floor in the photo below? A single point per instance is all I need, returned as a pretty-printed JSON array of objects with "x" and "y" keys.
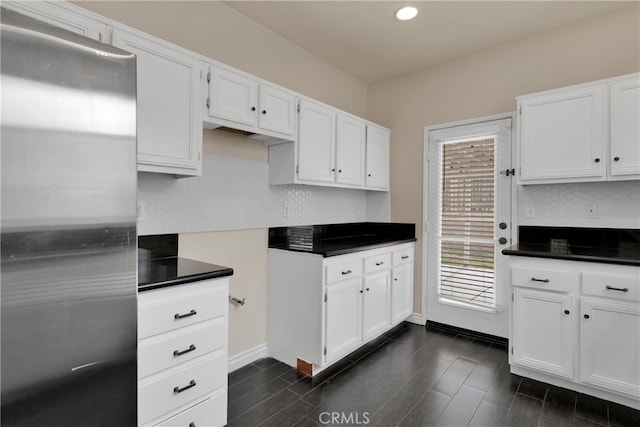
[{"x": 413, "y": 376}]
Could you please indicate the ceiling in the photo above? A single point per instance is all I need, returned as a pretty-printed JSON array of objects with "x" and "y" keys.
[{"x": 364, "y": 39}]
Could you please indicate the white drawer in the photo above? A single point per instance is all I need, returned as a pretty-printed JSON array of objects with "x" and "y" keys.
[
  {"x": 541, "y": 278},
  {"x": 171, "y": 349},
  {"x": 621, "y": 286},
  {"x": 166, "y": 309},
  {"x": 403, "y": 256},
  {"x": 344, "y": 270},
  {"x": 377, "y": 262},
  {"x": 210, "y": 413},
  {"x": 161, "y": 394}
]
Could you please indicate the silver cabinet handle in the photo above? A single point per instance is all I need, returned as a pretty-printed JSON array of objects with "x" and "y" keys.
[
  {"x": 540, "y": 280},
  {"x": 611, "y": 288}
]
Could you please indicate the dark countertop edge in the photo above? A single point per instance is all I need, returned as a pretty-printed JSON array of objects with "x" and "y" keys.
[
  {"x": 584, "y": 258},
  {"x": 185, "y": 279},
  {"x": 327, "y": 254}
]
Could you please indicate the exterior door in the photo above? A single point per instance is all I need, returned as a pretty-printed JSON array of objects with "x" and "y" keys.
[{"x": 468, "y": 186}]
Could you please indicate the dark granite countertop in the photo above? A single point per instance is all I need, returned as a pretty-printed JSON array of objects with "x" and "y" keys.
[
  {"x": 338, "y": 239},
  {"x": 604, "y": 245},
  {"x": 170, "y": 271}
]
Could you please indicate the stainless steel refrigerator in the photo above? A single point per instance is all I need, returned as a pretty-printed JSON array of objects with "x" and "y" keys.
[{"x": 68, "y": 221}]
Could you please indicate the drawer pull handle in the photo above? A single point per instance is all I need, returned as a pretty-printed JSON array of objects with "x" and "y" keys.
[
  {"x": 182, "y": 316},
  {"x": 611, "y": 288},
  {"x": 347, "y": 272},
  {"x": 192, "y": 424},
  {"x": 379, "y": 263},
  {"x": 177, "y": 390},
  {"x": 405, "y": 257},
  {"x": 188, "y": 350},
  {"x": 540, "y": 280}
]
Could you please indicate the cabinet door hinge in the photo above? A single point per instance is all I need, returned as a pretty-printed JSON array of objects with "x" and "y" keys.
[
  {"x": 512, "y": 350},
  {"x": 511, "y": 297},
  {"x": 209, "y": 77},
  {"x": 520, "y": 110},
  {"x": 297, "y": 169},
  {"x": 325, "y": 351},
  {"x": 208, "y": 102},
  {"x": 298, "y": 108},
  {"x": 325, "y": 297}
]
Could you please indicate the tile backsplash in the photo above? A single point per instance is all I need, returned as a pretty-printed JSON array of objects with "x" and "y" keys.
[
  {"x": 234, "y": 194},
  {"x": 591, "y": 204}
]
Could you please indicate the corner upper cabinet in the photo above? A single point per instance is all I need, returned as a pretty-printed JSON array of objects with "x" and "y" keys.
[
  {"x": 625, "y": 129},
  {"x": 581, "y": 133},
  {"x": 377, "y": 158},
  {"x": 239, "y": 101},
  {"x": 169, "y": 114}
]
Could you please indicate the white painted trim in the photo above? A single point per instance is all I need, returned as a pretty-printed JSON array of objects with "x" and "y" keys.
[
  {"x": 418, "y": 319},
  {"x": 425, "y": 186},
  {"x": 246, "y": 357}
]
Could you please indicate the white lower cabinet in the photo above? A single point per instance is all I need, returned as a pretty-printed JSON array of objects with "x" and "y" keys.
[
  {"x": 543, "y": 331},
  {"x": 182, "y": 354},
  {"x": 344, "y": 317},
  {"x": 609, "y": 345},
  {"x": 577, "y": 325},
  {"x": 320, "y": 309}
]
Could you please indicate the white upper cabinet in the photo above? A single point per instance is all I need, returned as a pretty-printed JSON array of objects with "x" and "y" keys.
[
  {"x": 169, "y": 118},
  {"x": 63, "y": 15},
  {"x": 625, "y": 129},
  {"x": 377, "y": 158},
  {"x": 582, "y": 133},
  {"x": 350, "y": 149},
  {"x": 562, "y": 136},
  {"x": 232, "y": 96},
  {"x": 316, "y": 142},
  {"x": 239, "y": 101}
]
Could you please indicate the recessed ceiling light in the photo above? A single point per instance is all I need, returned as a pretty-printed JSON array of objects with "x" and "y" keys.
[{"x": 406, "y": 13}]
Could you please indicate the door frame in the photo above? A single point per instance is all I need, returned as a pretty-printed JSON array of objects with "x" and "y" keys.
[{"x": 425, "y": 186}]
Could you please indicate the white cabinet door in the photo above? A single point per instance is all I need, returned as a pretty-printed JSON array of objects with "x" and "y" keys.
[
  {"x": 562, "y": 136},
  {"x": 610, "y": 345},
  {"x": 625, "y": 129},
  {"x": 543, "y": 331},
  {"x": 343, "y": 314},
  {"x": 316, "y": 142},
  {"x": 377, "y": 158},
  {"x": 61, "y": 15},
  {"x": 277, "y": 110},
  {"x": 169, "y": 114},
  {"x": 233, "y": 96},
  {"x": 350, "y": 146},
  {"x": 401, "y": 293},
  {"x": 375, "y": 304}
]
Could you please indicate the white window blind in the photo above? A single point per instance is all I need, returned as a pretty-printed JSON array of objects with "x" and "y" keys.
[{"x": 466, "y": 222}]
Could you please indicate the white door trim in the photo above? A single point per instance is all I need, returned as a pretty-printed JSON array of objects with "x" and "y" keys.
[{"x": 425, "y": 183}]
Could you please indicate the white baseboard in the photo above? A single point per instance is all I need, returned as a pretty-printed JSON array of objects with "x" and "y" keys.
[
  {"x": 417, "y": 319},
  {"x": 248, "y": 356}
]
